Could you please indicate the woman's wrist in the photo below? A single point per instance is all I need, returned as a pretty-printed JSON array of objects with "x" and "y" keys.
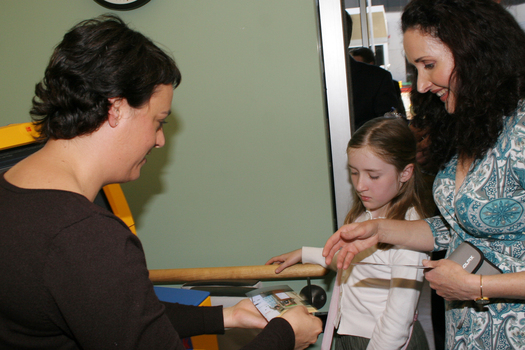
[
  {"x": 408, "y": 234},
  {"x": 382, "y": 235},
  {"x": 482, "y": 299},
  {"x": 227, "y": 317},
  {"x": 391, "y": 231}
]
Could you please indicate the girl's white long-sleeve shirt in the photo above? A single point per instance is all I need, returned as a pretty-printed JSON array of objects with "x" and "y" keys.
[{"x": 378, "y": 301}]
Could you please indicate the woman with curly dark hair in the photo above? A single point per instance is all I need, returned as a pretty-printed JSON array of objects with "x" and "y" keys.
[
  {"x": 471, "y": 79},
  {"x": 488, "y": 74},
  {"x": 73, "y": 275}
]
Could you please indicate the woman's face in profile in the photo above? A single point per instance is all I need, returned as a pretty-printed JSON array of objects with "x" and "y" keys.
[
  {"x": 434, "y": 63},
  {"x": 141, "y": 131}
]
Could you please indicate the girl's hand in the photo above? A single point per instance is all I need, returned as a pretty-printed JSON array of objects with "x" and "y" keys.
[
  {"x": 350, "y": 240},
  {"x": 243, "y": 315},
  {"x": 286, "y": 260},
  {"x": 451, "y": 281}
]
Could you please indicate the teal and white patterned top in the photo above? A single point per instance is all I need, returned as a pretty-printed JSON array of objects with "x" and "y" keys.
[{"x": 488, "y": 211}]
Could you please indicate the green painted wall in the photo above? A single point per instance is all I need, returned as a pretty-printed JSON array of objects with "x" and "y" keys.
[{"x": 244, "y": 174}]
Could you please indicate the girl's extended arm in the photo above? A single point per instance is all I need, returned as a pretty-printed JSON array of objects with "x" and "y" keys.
[
  {"x": 354, "y": 238},
  {"x": 286, "y": 260},
  {"x": 306, "y": 255}
]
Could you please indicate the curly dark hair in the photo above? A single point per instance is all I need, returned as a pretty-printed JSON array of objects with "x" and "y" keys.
[
  {"x": 98, "y": 59},
  {"x": 488, "y": 47},
  {"x": 430, "y": 115}
]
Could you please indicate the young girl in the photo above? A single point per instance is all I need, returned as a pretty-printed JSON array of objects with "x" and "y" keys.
[{"x": 374, "y": 302}]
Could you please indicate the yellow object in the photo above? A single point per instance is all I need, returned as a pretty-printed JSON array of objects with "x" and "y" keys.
[
  {"x": 119, "y": 205},
  {"x": 16, "y": 135}
]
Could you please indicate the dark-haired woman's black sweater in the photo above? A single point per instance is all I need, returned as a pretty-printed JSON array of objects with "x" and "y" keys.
[{"x": 74, "y": 277}]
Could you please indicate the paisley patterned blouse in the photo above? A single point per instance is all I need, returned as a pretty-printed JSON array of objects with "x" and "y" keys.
[{"x": 488, "y": 211}]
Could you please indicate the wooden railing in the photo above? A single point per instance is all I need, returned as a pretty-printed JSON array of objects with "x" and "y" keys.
[{"x": 258, "y": 272}]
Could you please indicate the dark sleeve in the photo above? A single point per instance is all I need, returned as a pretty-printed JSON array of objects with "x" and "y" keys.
[
  {"x": 277, "y": 335},
  {"x": 97, "y": 277},
  {"x": 195, "y": 320},
  {"x": 386, "y": 96}
]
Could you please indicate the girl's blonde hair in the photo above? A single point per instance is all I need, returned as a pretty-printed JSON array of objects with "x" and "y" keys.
[{"x": 392, "y": 140}]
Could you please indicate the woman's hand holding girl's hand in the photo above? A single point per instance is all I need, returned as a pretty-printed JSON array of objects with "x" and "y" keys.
[
  {"x": 349, "y": 240},
  {"x": 451, "y": 281},
  {"x": 286, "y": 260},
  {"x": 243, "y": 315}
]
